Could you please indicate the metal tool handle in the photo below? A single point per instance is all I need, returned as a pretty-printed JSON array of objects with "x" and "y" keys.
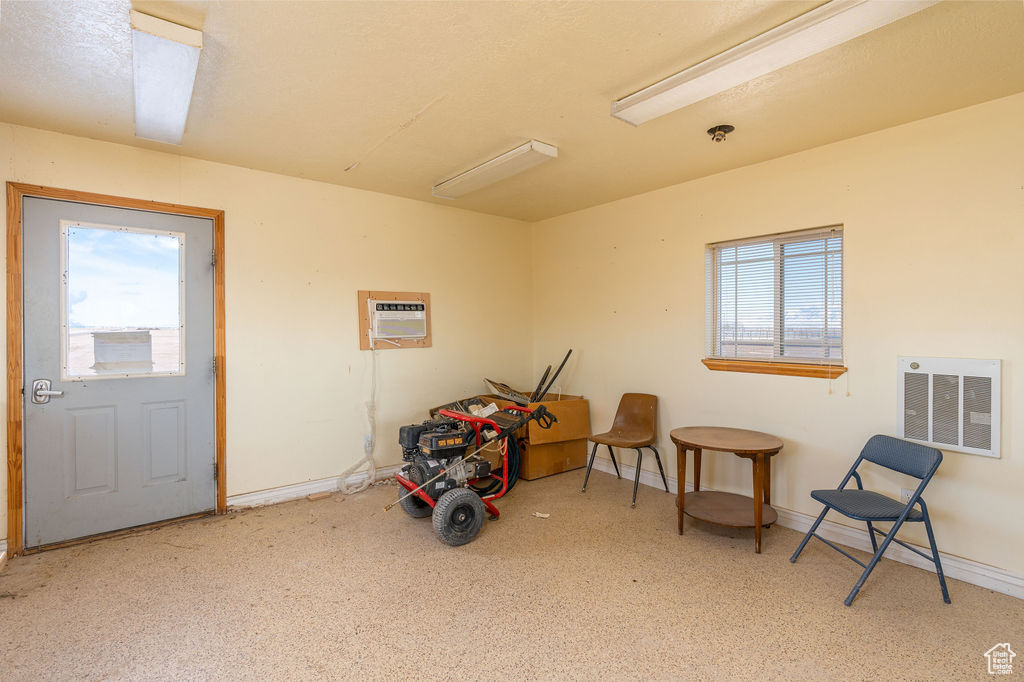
[{"x": 558, "y": 371}]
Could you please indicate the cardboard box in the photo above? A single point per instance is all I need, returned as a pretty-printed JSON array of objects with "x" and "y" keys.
[
  {"x": 552, "y": 458},
  {"x": 562, "y": 447}
]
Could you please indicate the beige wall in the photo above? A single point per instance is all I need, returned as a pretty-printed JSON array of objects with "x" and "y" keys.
[
  {"x": 296, "y": 253},
  {"x": 934, "y": 232}
]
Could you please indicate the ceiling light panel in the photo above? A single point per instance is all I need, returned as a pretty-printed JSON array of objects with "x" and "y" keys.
[
  {"x": 510, "y": 163},
  {"x": 827, "y": 26},
  {"x": 164, "y": 61}
]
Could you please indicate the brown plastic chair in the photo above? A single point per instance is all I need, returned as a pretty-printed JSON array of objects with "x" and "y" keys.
[{"x": 634, "y": 427}]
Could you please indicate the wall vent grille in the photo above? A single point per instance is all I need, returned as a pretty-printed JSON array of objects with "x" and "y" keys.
[{"x": 951, "y": 403}]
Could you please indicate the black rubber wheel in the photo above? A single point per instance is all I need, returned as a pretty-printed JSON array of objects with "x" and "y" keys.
[
  {"x": 413, "y": 505},
  {"x": 458, "y": 516}
]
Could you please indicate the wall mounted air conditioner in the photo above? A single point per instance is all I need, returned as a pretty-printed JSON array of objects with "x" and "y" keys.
[
  {"x": 397, "y": 319},
  {"x": 951, "y": 403}
]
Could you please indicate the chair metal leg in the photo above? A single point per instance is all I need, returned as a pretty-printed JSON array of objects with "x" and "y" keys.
[
  {"x": 871, "y": 534},
  {"x": 874, "y": 560},
  {"x": 590, "y": 465},
  {"x": 636, "y": 482},
  {"x": 615, "y": 464},
  {"x": 657, "y": 458},
  {"x": 935, "y": 554},
  {"x": 803, "y": 543}
]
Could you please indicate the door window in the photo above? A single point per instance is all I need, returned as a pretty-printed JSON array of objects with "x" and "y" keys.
[{"x": 122, "y": 302}]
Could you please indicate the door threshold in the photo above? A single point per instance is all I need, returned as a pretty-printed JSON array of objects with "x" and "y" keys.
[{"x": 121, "y": 532}]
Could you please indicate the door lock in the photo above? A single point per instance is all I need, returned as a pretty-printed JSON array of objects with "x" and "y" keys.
[{"x": 41, "y": 392}]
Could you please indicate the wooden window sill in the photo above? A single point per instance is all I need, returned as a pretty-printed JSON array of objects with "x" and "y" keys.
[{"x": 793, "y": 369}]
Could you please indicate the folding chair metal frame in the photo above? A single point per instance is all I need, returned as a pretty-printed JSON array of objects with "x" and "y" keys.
[{"x": 885, "y": 448}]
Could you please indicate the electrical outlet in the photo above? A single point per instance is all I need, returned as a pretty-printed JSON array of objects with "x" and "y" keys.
[{"x": 905, "y": 495}]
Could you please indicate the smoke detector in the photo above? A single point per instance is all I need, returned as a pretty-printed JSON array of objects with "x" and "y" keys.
[{"x": 719, "y": 132}]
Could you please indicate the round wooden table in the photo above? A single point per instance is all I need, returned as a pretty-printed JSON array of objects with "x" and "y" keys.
[{"x": 727, "y": 509}]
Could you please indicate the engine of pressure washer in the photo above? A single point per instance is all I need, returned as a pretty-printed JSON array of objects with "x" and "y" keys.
[{"x": 437, "y": 447}]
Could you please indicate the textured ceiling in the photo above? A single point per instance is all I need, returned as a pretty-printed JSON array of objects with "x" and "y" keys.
[{"x": 397, "y": 96}]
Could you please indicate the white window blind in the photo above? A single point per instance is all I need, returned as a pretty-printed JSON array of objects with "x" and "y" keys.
[{"x": 777, "y": 298}]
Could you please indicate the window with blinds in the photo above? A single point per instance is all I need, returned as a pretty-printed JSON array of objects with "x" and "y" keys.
[{"x": 777, "y": 298}]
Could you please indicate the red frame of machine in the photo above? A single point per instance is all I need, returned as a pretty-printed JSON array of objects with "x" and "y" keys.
[{"x": 477, "y": 423}]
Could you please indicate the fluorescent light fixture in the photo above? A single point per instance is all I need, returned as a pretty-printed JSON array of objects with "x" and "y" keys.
[
  {"x": 505, "y": 166},
  {"x": 164, "y": 61},
  {"x": 827, "y": 26}
]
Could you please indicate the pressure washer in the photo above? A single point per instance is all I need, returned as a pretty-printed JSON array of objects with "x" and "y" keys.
[{"x": 455, "y": 488}]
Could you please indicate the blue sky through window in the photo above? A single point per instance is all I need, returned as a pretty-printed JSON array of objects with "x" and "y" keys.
[{"x": 119, "y": 279}]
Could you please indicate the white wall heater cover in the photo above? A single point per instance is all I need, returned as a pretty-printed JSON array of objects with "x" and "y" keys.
[{"x": 950, "y": 403}]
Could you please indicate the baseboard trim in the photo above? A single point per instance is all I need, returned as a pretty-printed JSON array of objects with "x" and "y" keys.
[
  {"x": 973, "y": 572},
  {"x": 295, "y": 491}
]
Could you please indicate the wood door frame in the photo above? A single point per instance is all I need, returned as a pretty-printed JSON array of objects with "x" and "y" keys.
[{"x": 17, "y": 191}]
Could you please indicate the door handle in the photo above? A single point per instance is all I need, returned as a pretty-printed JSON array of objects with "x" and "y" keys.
[{"x": 41, "y": 392}]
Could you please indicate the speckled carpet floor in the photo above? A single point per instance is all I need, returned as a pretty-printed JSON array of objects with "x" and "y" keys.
[{"x": 339, "y": 589}]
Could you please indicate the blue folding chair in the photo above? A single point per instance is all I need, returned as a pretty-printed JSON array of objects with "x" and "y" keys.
[{"x": 905, "y": 457}]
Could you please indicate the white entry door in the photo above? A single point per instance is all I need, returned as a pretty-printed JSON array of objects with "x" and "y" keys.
[{"x": 119, "y": 392}]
